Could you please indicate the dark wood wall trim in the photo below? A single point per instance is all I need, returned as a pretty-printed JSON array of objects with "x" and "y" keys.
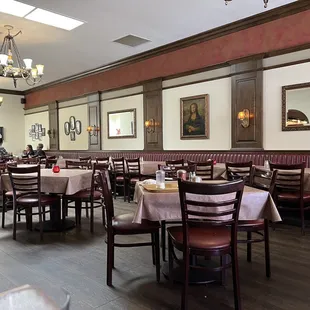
[
  {"x": 53, "y": 131},
  {"x": 289, "y": 9},
  {"x": 12, "y": 92},
  {"x": 94, "y": 118}
]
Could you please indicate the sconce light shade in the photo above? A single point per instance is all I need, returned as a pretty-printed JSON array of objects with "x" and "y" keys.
[
  {"x": 1, "y": 100},
  {"x": 244, "y": 117},
  {"x": 151, "y": 125},
  {"x": 93, "y": 130}
]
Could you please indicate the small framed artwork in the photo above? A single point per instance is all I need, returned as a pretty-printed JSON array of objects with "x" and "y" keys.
[
  {"x": 72, "y": 135},
  {"x": 37, "y": 135},
  {"x": 39, "y": 127},
  {"x": 195, "y": 117},
  {"x": 30, "y": 133},
  {"x": 67, "y": 128},
  {"x": 33, "y": 128},
  {"x": 72, "y": 122},
  {"x": 36, "y": 127},
  {"x": 78, "y": 127},
  {"x": 43, "y": 132}
]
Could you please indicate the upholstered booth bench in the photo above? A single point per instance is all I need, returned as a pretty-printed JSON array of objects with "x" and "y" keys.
[{"x": 258, "y": 157}]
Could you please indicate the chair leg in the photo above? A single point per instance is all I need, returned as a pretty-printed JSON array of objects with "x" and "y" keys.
[
  {"x": 103, "y": 212},
  {"x": 3, "y": 212},
  {"x": 43, "y": 213},
  {"x": 302, "y": 217},
  {"x": 267, "y": 249},
  {"x": 92, "y": 217},
  {"x": 224, "y": 271},
  {"x": 125, "y": 189},
  {"x": 41, "y": 223},
  {"x": 163, "y": 239},
  {"x": 14, "y": 222},
  {"x": 110, "y": 245},
  {"x": 153, "y": 249},
  {"x": 249, "y": 246},
  {"x": 86, "y": 209},
  {"x": 157, "y": 255},
  {"x": 114, "y": 188},
  {"x": 170, "y": 259},
  {"x": 128, "y": 191},
  {"x": 235, "y": 272},
  {"x": 184, "y": 300}
]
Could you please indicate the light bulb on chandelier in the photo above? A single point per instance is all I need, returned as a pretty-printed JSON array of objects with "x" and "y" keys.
[
  {"x": 265, "y": 3},
  {"x": 23, "y": 69}
]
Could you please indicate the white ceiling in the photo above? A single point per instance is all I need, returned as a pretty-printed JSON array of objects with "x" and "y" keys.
[{"x": 66, "y": 53}]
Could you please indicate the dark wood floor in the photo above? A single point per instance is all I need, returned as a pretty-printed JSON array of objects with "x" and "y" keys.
[{"x": 76, "y": 261}]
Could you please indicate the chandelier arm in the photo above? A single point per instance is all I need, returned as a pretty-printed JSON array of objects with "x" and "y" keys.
[
  {"x": 19, "y": 32},
  {"x": 2, "y": 50},
  {"x": 19, "y": 60}
]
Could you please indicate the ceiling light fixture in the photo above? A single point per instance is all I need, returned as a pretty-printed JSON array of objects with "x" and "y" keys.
[
  {"x": 16, "y": 8},
  {"x": 265, "y": 2},
  {"x": 22, "y": 69},
  {"x": 53, "y": 19}
]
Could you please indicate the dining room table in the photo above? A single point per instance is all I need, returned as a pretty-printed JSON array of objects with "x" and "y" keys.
[
  {"x": 164, "y": 204},
  {"x": 65, "y": 182}
]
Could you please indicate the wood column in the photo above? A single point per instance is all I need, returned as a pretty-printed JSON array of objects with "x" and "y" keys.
[
  {"x": 94, "y": 118},
  {"x": 52, "y": 131},
  {"x": 247, "y": 90},
  {"x": 153, "y": 109}
]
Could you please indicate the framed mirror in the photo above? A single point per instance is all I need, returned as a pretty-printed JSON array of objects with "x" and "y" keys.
[
  {"x": 122, "y": 124},
  {"x": 296, "y": 107}
]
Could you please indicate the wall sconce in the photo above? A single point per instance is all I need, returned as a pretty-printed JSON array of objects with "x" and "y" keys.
[
  {"x": 1, "y": 100},
  {"x": 244, "y": 117},
  {"x": 93, "y": 130},
  {"x": 151, "y": 125},
  {"x": 51, "y": 133}
]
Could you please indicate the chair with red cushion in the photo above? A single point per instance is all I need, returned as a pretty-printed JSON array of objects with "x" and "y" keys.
[
  {"x": 289, "y": 190},
  {"x": 123, "y": 225},
  {"x": 26, "y": 187},
  {"x": 92, "y": 196},
  {"x": 133, "y": 175},
  {"x": 264, "y": 180},
  {"x": 119, "y": 175},
  {"x": 205, "y": 230}
]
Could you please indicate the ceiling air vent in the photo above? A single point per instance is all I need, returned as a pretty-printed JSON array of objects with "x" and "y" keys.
[{"x": 131, "y": 40}]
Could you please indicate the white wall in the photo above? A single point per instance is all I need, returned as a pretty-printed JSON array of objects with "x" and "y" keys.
[
  {"x": 40, "y": 118},
  {"x": 220, "y": 110},
  {"x": 80, "y": 113},
  {"x": 274, "y": 137},
  {"x": 131, "y": 102},
  {"x": 12, "y": 121}
]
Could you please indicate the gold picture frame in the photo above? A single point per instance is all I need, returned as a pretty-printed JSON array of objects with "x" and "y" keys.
[{"x": 195, "y": 111}]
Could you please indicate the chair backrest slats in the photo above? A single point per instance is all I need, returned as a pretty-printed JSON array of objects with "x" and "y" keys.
[
  {"x": 70, "y": 164},
  {"x": 203, "y": 169},
  {"x": 236, "y": 170},
  {"x": 175, "y": 163},
  {"x": 118, "y": 166}
]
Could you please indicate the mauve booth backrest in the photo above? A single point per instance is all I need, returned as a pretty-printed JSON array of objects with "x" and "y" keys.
[{"x": 257, "y": 158}]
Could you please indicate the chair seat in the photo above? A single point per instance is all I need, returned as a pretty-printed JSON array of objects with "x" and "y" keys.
[
  {"x": 84, "y": 194},
  {"x": 33, "y": 199},
  {"x": 247, "y": 225},
  {"x": 10, "y": 193},
  {"x": 122, "y": 224},
  {"x": 202, "y": 238},
  {"x": 292, "y": 196},
  {"x": 134, "y": 180},
  {"x": 119, "y": 178}
]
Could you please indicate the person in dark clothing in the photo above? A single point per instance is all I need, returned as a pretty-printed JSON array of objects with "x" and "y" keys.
[
  {"x": 39, "y": 152},
  {"x": 28, "y": 152}
]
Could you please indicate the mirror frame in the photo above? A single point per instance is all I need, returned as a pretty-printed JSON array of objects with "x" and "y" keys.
[
  {"x": 284, "y": 89},
  {"x": 134, "y": 135}
]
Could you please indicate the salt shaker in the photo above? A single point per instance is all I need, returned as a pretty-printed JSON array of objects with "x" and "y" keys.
[{"x": 160, "y": 179}]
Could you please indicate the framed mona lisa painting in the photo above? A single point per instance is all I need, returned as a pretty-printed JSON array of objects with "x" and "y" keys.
[{"x": 195, "y": 117}]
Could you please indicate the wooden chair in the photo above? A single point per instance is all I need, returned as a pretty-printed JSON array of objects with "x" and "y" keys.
[
  {"x": 92, "y": 196},
  {"x": 30, "y": 161},
  {"x": 239, "y": 170},
  {"x": 289, "y": 190},
  {"x": 200, "y": 237},
  {"x": 189, "y": 168},
  {"x": 203, "y": 169},
  {"x": 119, "y": 175},
  {"x": 78, "y": 165},
  {"x": 175, "y": 163},
  {"x": 27, "y": 182},
  {"x": 85, "y": 159},
  {"x": 133, "y": 175},
  {"x": 49, "y": 162},
  {"x": 264, "y": 180},
  {"x": 123, "y": 225},
  {"x": 103, "y": 160}
]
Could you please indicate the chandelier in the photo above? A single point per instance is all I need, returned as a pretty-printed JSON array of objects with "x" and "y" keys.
[
  {"x": 11, "y": 64},
  {"x": 265, "y": 2}
]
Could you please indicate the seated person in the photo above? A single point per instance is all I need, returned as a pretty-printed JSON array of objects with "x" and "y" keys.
[
  {"x": 39, "y": 152},
  {"x": 3, "y": 151},
  {"x": 28, "y": 152}
]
